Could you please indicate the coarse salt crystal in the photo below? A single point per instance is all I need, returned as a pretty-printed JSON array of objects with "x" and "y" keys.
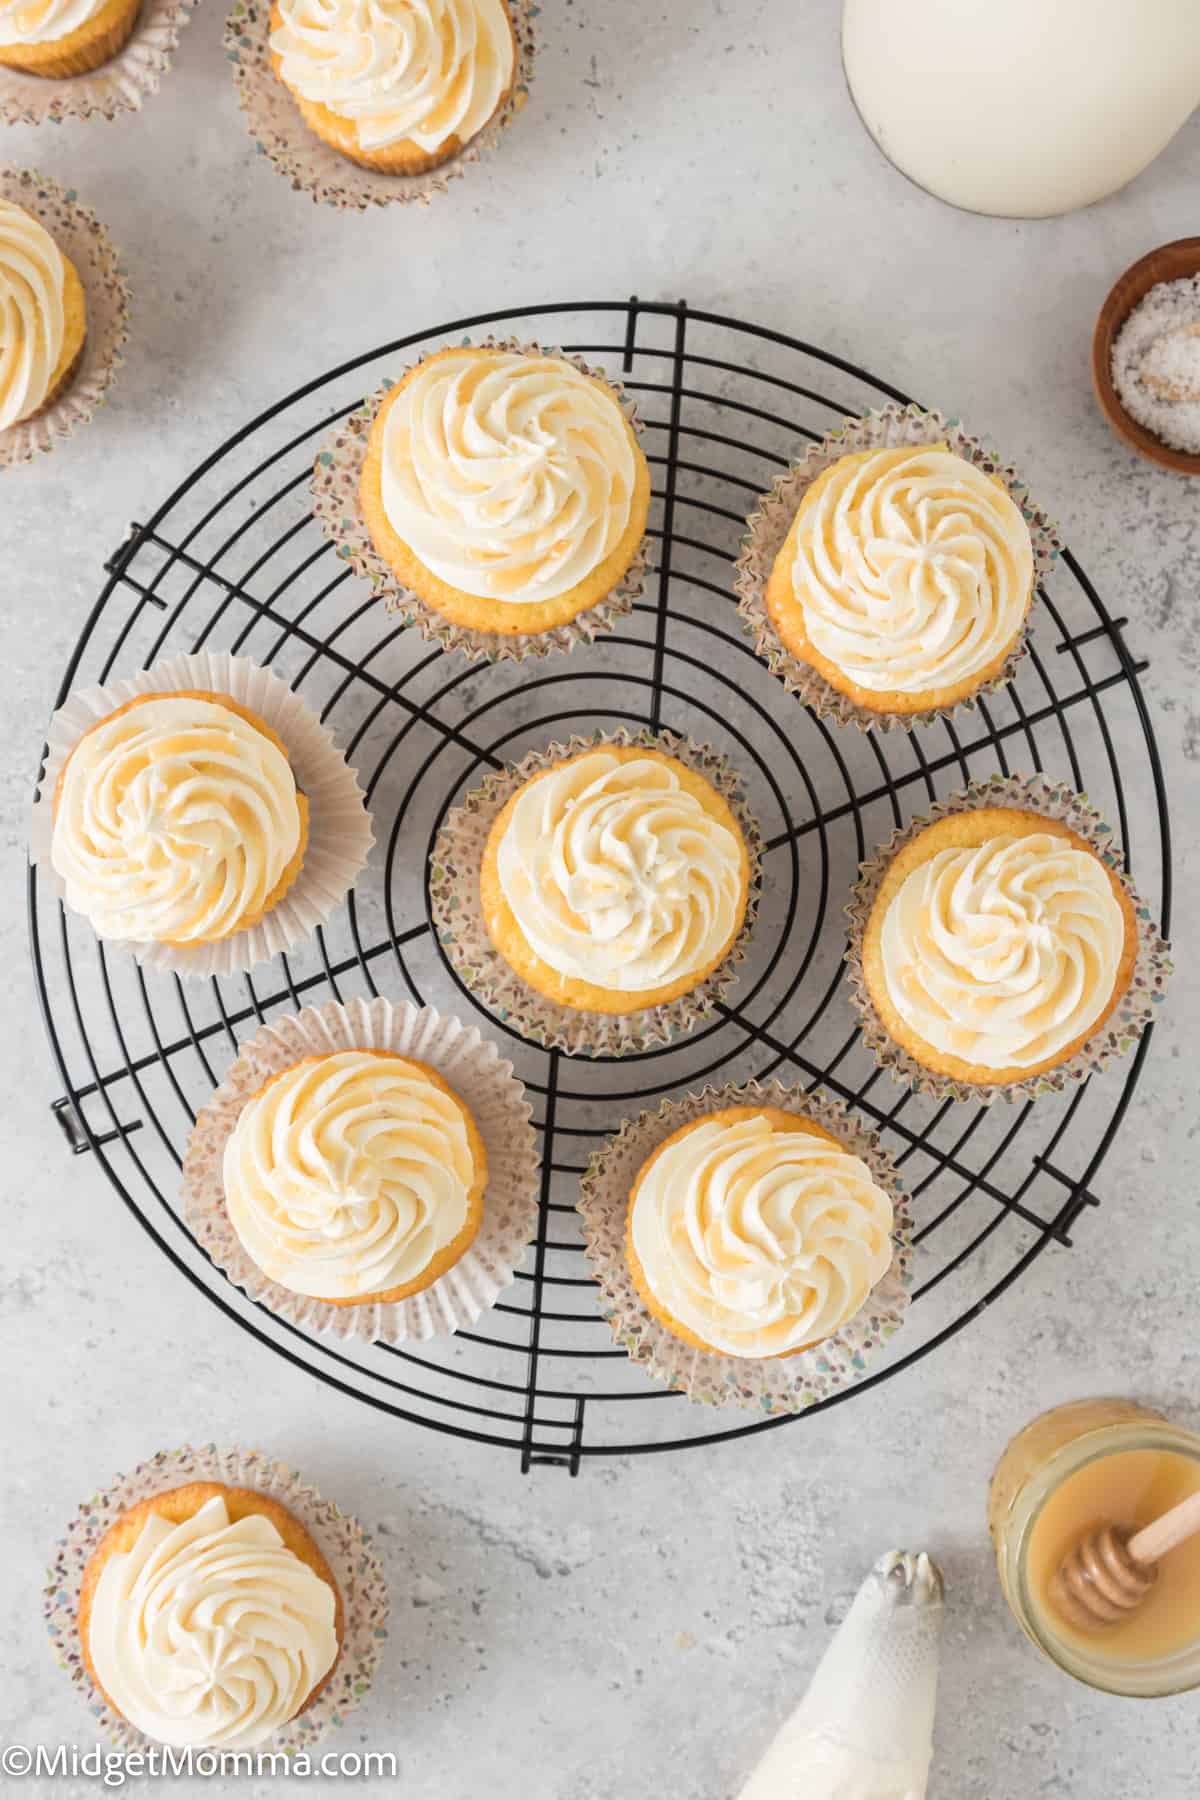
[{"x": 1156, "y": 363}]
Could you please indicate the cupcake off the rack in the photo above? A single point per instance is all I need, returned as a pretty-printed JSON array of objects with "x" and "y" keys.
[{"x": 211, "y": 1599}]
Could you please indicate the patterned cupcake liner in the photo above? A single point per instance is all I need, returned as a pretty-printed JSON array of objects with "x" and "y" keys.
[
  {"x": 341, "y": 1539},
  {"x": 339, "y": 825},
  {"x": 457, "y": 911},
  {"x": 781, "y": 1384},
  {"x": 337, "y": 472},
  {"x": 120, "y": 85},
  {"x": 1127, "y": 1021},
  {"x": 486, "y": 1086},
  {"x": 769, "y": 524},
  {"x": 81, "y": 237},
  {"x": 311, "y": 166}
]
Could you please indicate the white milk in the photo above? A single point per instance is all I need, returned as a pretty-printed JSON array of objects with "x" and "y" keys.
[{"x": 1022, "y": 107}]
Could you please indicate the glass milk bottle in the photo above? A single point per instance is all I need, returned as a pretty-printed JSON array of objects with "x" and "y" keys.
[{"x": 1022, "y": 108}]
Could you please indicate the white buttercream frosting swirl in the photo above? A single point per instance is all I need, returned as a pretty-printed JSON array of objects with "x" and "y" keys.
[
  {"x": 32, "y": 325},
  {"x": 913, "y": 569},
  {"x": 1005, "y": 954},
  {"x": 175, "y": 821},
  {"x": 422, "y": 70},
  {"x": 760, "y": 1240},
  {"x": 617, "y": 875},
  {"x": 511, "y": 477},
  {"x": 210, "y": 1632},
  {"x": 348, "y": 1174},
  {"x": 43, "y": 21}
]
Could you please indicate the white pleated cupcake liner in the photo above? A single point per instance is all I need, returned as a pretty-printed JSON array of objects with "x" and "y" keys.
[
  {"x": 84, "y": 241},
  {"x": 482, "y": 1081},
  {"x": 1124, "y": 1025},
  {"x": 767, "y": 528},
  {"x": 767, "y": 1385},
  {"x": 121, "y": 85},
  {"x": 339, "y": 825},
  {"x": 457, "y": 911},
  {"x": 340, "y": 1538},
  {"x": 314, "y": 168},
  {"x": 337, "y": 472}
]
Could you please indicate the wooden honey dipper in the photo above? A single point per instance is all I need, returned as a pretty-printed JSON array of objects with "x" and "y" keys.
[{"x": 1109, "y": 1573}]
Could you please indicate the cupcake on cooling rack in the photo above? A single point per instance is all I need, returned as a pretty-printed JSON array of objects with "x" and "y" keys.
[
  {"x": 355, "y": 1177},
  {"x": 208, "y": 1617},
  {"x": 43, "y": 314},
  {"x": 398, "y": 86},
  {"x": 615, "y": 881},
  {"x": 888, "y": 575},
  {"x": 753, "y": 1232},
  {"x": 199, "y": 814},
  {"x": 998, "y": 944},
  {"x": 905, "y": 578},
  {"x": 177, "y": 820},
  {"x": 59, "y": 38},
  {"x": 504, "y": 488}
]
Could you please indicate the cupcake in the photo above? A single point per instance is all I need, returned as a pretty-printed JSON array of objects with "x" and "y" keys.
[
  {"x": 753, "y": 1232},
  {"x": 63, "y": 37},
  {"x": 905, "y": 578},
  {"x": 395, "y": 85},
  {"x": 43, "y": 315},
  {"x": 998, "y": 944},
  {"x": 208, "y": 1617},
  {"x": 355, "y": 1177},
  {"x": 615, "y": 881},
  {"x": 177, "y": 820},
  {"x": 505, "y": 488}
]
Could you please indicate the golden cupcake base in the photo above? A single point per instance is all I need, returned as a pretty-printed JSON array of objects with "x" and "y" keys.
[
  {"x": 1126, "y": 1021},
  {"x": 767, "y": 531},
  {"x": 486, "y": 1089},
  {"x": 80, "y": 51},
  {"x": 475, "y": 612},
  {"x": 564, "y": 990},
  {"x": 451, "y": 1253},
  {"x": 779, "y": 1120},
  {"x": 457, "y": 910},
  {"x": 766, "y": 1386},
  {"x": 177, "y": 1505},
  {"x": 340, "y": 1553},
  {"x": 348, "y": 506},
  {"x": 403, "y": 157},
  {"x": 316, "y": 159}
]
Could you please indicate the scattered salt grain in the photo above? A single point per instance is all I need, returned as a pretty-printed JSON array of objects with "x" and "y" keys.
[{"x": 1156, "y": 363}]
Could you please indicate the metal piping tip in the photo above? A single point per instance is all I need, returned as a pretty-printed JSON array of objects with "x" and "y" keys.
[{"x": 914, "y": 1575}]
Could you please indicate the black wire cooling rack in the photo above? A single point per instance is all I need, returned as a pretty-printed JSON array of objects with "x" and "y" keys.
[{"x": 234, "y": 561}]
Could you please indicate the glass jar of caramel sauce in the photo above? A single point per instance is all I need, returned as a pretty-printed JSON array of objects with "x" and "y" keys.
[{"x": 1081, "y": 1466}]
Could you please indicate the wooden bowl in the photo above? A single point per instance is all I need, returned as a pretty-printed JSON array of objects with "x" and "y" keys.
[{"x": 1170, "y": 262}]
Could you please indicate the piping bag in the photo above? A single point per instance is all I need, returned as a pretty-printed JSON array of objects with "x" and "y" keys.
[{"x": 864, "y": 1729}]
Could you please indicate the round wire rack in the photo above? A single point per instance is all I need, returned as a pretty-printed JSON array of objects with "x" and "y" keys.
[{"x": 233, "y": 560}]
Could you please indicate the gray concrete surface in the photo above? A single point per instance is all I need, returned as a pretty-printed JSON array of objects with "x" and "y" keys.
[{"x": 642, "y": 1629}]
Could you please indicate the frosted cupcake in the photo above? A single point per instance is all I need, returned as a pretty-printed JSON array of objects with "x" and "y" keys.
[
  {"x": 208, "y": 1617},
  {"x": 58, "y": 38},
  {"x": 395, "y": 85},
  {"x": 753, "y": 1232},
  {"x": 43, "y": 315},
  {"x": 998, "y": 945},
  {"x": 506, "y": 489},
  {"x": 177, "y": 820},
  {"x": 615, "y": 881},
  {"x": 355, "y": 1177},
  {"x": 905, "y": 578}
]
